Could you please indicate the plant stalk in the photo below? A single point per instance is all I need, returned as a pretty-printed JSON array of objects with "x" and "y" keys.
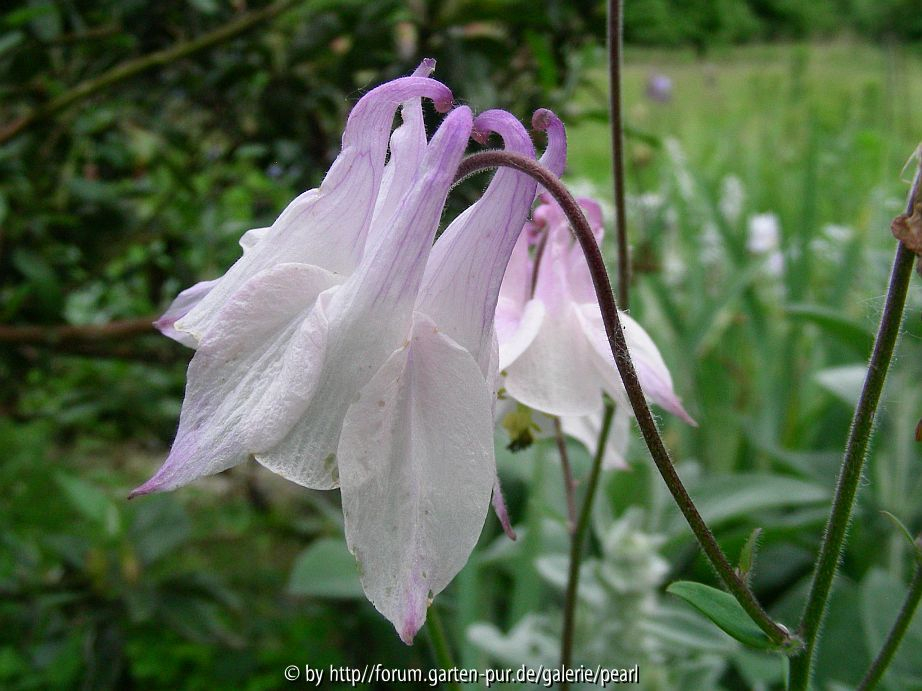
[
  {"x": 577, "y": 539},
  {"x": 853, "y": 460},
  {"x": 615, "y": 35},
  {"x": 569, "y": 484},
  {"x": 439, "y": 643}
]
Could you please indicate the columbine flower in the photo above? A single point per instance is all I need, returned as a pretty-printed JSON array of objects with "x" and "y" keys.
[
  {"x": 552, "y": 344},
  {"x": 338, "y": 353}
]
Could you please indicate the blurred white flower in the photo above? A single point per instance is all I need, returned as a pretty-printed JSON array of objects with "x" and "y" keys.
[
  {"x": 764, "y": 233},
  {"x": 732, "y": 198}
]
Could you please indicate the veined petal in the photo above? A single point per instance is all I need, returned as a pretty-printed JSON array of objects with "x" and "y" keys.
[
  {"x": 368, "y": 317},
  {"x": 234, "y": 368},
  {"x": 554, "y": 374},
  {"x": 191, "y": 296},
  {"x": 327, "y": 227},
  {"x": 652, "y": 372},
  {"x": 463, "y": 277},
  {"x": 417, "y": 467},
  {"x": 407, "y": 147}
]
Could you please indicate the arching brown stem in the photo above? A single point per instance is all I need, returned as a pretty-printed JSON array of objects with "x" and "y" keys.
[{"x": 614, "y": 331}]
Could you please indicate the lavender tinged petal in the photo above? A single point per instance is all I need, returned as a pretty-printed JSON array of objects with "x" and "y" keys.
[
  {"x": 407, "y": 147},
  {"x": 501, "y": 510},
  {"x": 652, "y": 372},
  {"x": 327, "y": 227},
  {"x": 235, "y": 368},
  {"x": 463, "y": 277},
  {"x": 180, "y": 306},
  {"x": 554, "y": 373},
  {"x": 368, "y": 316}
]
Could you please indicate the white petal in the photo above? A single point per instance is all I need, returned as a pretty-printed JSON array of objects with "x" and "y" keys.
[
  {"x": 516, "y": 330},
  {"x": 555, "y": 374},
  {"x": 416, "y": 460},
  {"x": 368, "y": 318},
  {"x": 252, "y": 237},
  {"x": 233, "y": 369},
  {"x": 652, "y": 372}
]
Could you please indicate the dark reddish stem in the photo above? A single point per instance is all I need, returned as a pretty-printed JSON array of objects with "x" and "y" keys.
[{"x": 614, "y": 331}]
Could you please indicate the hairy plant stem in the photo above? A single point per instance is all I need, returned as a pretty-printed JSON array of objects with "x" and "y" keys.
[
  {"x": 577, "y": 539},
  {"x": 895, "y": 637},
  {"x": 853, "y": 461},
  {"x": 130, "y": 68},
  {"x": 615, "y": 334},
  {"x": 439, "y": 643},
  {"x": 569, "y": 484},
  {"x": 615, "y": 25}
]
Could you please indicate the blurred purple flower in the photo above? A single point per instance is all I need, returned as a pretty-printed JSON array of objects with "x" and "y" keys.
[{"x": 659, "y": 88}]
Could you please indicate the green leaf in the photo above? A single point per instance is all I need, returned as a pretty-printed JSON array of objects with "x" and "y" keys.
[
  {"x": 905, "y": 532},
  {"x": 722, "y": 609},
  {"x": 849, "y": 331},
  {"x": 723, "y": 498},
  {"x": 326, "y": 569},
  {"x": 844, "y": 382},
  {"x": 881, "y": 596}
]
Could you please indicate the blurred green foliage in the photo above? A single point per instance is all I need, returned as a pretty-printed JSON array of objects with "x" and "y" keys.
[{"x": 111, "y": 206}]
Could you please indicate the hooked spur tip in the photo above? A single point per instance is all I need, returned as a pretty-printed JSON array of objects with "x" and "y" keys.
[
  {"x": 480, "y": 136},
  {"x": 443, "y": 105},
  {"x": 543, "y": 118}
]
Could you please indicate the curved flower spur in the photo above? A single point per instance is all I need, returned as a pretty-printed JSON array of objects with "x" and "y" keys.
[{"x": 337, "y": 356}]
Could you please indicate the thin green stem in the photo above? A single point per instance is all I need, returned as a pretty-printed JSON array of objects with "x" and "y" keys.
[
  {"x": 569, "y": 484},
  {"x": 615, "y": 31},
  {"x": 577, "y": 539},
  {"x": 616, "y": 341},
  {"x": 895, "y": 637},
  {"x": 130, "y": 68},
  {"x": 853, "y": 461},
  {"x": 439, "y": 643}
]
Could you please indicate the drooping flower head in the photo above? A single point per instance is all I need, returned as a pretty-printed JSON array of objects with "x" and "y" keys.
[
  {"x": 553, "y": 350},
  {"x": 338, "y": 352}
]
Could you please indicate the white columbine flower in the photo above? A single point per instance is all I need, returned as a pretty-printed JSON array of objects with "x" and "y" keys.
[{"x": 344, "y": 350}]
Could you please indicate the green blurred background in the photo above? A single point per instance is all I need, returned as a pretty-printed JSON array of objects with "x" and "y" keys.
[{"x": 741, "y": 115}]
